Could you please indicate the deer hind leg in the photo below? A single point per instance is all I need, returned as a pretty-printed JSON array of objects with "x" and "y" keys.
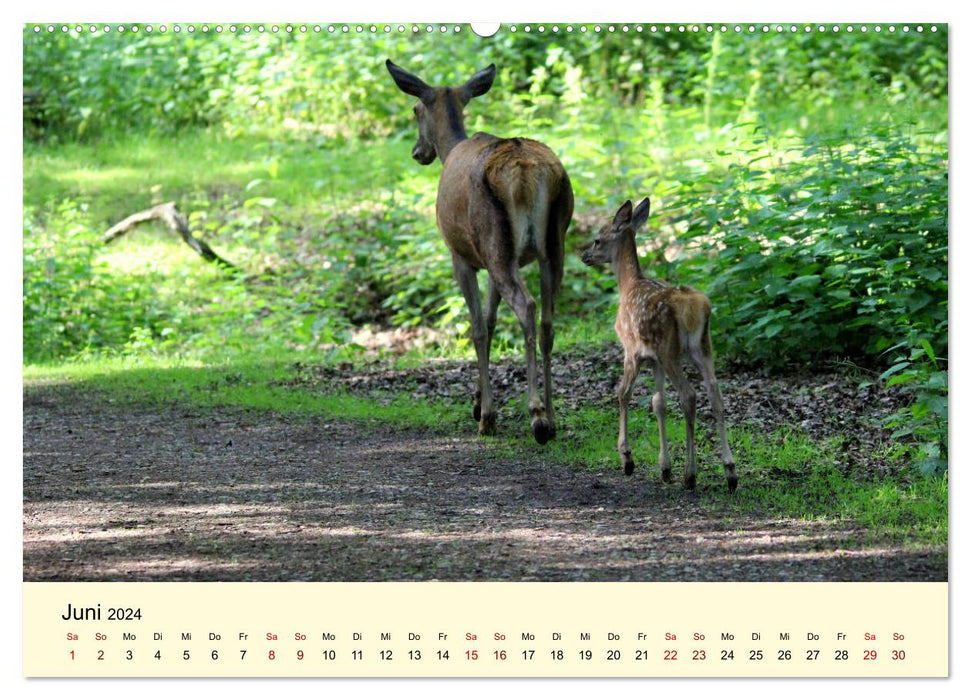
[
  {"x": 703, "y": 360},
  {"x": 548, "y": 288},
  {"x": 631, "y": 367},
  {"x": 660, "y": 410},
  {"x": 512, "y": 288},
  {"x": 688, "y": 400},
  {"x": 551, "y": 276},
  {"x": 483, "y": 410},
  {"x": 492, "y": 304}
]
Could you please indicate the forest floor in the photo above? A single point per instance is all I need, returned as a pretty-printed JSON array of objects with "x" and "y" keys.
[{"x": 122, "y": 492}]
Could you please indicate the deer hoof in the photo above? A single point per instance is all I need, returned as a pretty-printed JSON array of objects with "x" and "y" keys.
[
  {"x": 689, "y": 482},
  {"x": 732, "y": 483},
  {"x": 628, "y": 466},
  {"x": 666, "y": 476},
  {"x": 543, "y": 431}
]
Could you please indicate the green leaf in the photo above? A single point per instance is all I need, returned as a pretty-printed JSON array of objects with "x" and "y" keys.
[{"x": 894, "y": 369}]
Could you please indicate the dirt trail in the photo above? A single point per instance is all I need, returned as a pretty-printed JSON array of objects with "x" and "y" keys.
[{"x": 115, "y": 493}]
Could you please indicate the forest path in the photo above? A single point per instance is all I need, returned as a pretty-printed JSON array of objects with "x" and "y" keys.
[{"x": 120, "y": 493}]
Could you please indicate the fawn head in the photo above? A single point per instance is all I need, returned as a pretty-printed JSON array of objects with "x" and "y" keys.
[
  {"x": 626, "y": 221},
  {"x": 439, "y": 109}
]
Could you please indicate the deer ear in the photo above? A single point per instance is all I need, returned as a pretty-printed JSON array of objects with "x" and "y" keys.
[
  {"x": 622, "y": 217},
  {"x": 479, "y": 83},
  {"x": 641, "y": 213},
  {"x": 408, "y": 83}
]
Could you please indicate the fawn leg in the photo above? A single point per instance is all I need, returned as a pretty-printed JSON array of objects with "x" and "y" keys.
[
  {"x": 688, "y": 400},
  {"x": 706, "y": 365},
  {"x": 631, "y": 366},
  {"x": 660, "y": 410}
]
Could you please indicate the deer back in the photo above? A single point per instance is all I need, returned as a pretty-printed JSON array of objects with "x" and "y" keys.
[
  {"x": 658, "y": 320},
  {"x": 494, "y": 198}
]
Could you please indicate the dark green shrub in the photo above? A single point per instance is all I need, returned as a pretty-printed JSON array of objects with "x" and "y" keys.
[
  {"x": 924, "y": 422},
  {"x": 839, "y": 252}
]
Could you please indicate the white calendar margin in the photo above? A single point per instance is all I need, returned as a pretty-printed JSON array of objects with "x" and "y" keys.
[{"x": 507, "y": 11}]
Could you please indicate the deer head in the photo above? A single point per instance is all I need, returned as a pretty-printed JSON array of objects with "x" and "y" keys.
[
  {"x": 627, "y": 221},
  {"x": 439, "y": 110}
]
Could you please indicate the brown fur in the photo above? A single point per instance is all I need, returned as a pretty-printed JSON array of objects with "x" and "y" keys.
[
  {"x": 513, "y": 172},
  {"x": 516, "y": 170}
]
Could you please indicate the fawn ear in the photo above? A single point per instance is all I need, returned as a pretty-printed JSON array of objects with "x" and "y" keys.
[
  {"x": 478, "y": 84},
  {"x": 641, "y": 213},
  {"x": 623, "y": 215},
  {"x": 408, "y": 83}
]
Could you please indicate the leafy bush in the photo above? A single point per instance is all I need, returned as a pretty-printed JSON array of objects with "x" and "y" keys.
[
  {"x": 330, "y": 86},
  {"x": 81, "y": 298},
  {"x": 71, "y": 302},
  {"x": 385, "y": 263},
  {"x": 924, "y": 421},
  {"x": 88, "y": 85},
  {"x": 838, "y": 252}
]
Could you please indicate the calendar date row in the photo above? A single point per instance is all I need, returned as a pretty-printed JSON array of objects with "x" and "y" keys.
[{"x": 500, "y": 655}]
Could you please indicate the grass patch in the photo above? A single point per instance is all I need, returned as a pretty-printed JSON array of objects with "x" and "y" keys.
[
  {"x": 118, "y": 176},
  {"x": 255, "y": 384},
  {"x": 791, "y": 475}
]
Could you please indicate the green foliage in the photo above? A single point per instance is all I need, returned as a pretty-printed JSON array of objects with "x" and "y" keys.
[
  {"x": 388, "y": 265},
  {"x": 81, "y": 298},
  {"x": 925, "y": 420},
  {"x": 333, "y": 84},
  {"x": 91, "y": 84},
  {"x": 72, "y": 302},
  {"x": 836, "y": 251}
]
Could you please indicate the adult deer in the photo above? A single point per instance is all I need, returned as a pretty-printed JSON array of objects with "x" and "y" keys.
[
  {"x": 659, "y": 324},
  {"x": 502, "y": 203}
]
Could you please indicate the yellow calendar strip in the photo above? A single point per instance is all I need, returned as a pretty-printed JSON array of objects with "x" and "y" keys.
[{"x": 485, "y": 629}]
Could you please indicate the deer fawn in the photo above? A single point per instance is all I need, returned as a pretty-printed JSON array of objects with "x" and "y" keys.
[
  {"x": 502, "y": 203},
  {"x": 659, "y": 324}
]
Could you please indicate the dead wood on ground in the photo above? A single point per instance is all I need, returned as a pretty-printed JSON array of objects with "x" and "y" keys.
[{"x": 170, "y": 214}]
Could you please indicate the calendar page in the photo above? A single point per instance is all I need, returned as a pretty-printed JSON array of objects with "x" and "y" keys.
[
  {"x": 592, "y": 349},
  {"x": 486, "y": 630}
]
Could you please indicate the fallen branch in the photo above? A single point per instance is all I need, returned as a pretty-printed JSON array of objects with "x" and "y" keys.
[{"x": 170, "y": 214}]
